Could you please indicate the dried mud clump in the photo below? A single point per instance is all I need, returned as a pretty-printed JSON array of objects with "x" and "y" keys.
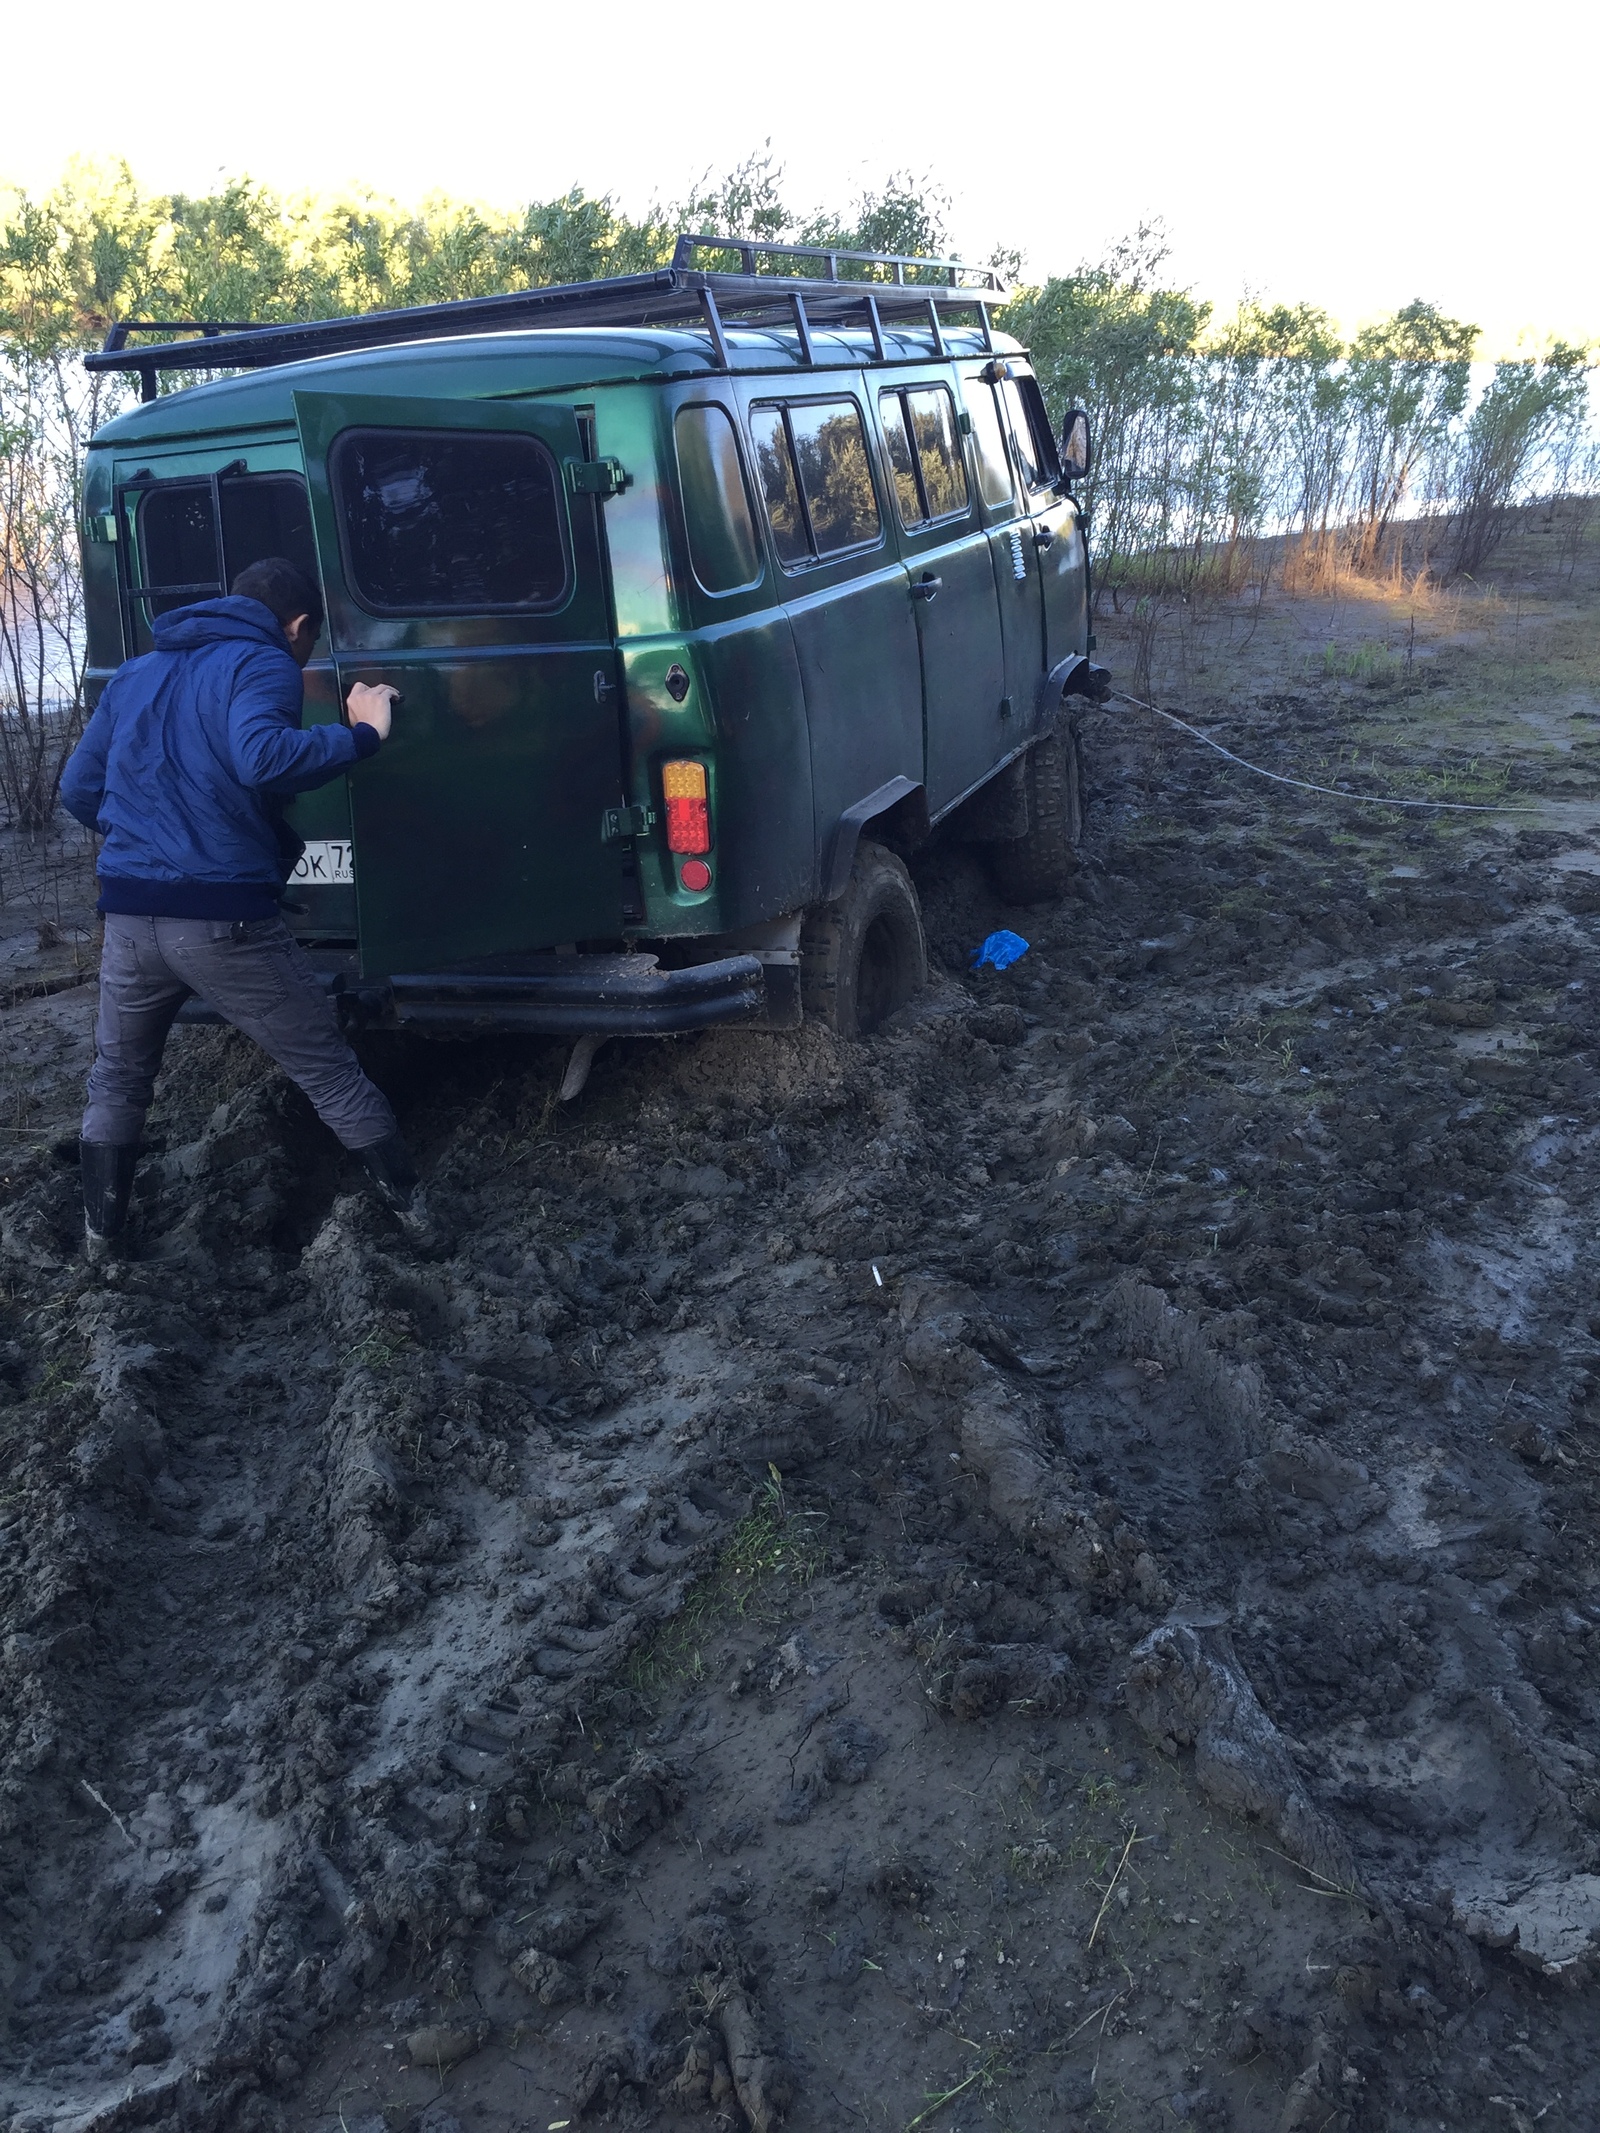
[{"x": 1186, "y": 1689}]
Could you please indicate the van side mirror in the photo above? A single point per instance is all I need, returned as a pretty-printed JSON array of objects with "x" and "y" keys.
[{"x": 1075, "y": 445}]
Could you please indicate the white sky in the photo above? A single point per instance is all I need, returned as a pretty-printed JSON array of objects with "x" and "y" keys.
[{"x": 1356, "y": 154}]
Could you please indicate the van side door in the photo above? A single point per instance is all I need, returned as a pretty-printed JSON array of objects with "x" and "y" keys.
[
  {"x": 844, "y": 592},
  {"x": 746, "y": 673},
  {"x": 950, "y": 585},
  {"x": 1057, "y": 535},
  {"x": 460, "y": 548},
  {"x": 1011, "y": 553}
]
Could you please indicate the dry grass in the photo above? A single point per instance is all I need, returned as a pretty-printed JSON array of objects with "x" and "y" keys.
[{"x": 1515, "y": 657}]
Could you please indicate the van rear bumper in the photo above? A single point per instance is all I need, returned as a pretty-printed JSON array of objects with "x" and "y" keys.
[
  {"x": 555, "y": 997},
  {"x": 582, "y": 995},
  {"x": 547, "y": 995}
]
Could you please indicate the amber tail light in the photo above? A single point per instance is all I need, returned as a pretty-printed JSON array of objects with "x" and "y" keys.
[{"x": 683, "y": 787}]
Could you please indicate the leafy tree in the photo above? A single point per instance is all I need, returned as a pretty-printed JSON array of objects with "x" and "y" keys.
[
  {"x": 1526, "y": 421},
  {"x": 1113, "y": 339},
  {"x": 1406, "y": 383},
  {"x": 1270, "y": 451}
]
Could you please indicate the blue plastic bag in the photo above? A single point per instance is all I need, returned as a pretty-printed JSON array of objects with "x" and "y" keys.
[{"x": 1000, "y": 951}]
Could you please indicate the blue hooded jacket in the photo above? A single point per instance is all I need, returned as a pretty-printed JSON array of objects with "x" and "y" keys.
[{"x": 187, "y": 761}]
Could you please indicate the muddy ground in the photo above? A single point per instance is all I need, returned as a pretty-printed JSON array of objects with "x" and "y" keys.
[{"x": 1036, "y": 1571}]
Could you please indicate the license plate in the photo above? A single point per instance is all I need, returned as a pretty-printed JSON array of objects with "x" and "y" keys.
[{"x": 325, "y": 863}]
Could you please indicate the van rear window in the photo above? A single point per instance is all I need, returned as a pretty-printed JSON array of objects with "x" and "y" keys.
[
  {"x": 449, "y": 522},
  {"x": 179, "y": 557},
  {"x": 816, "y": 478}
]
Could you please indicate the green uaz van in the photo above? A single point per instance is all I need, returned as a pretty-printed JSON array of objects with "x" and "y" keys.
[{"x": 707, "y": 593}]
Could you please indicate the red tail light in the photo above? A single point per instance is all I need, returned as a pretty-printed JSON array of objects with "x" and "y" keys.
[{"x": 683, "y": 787}]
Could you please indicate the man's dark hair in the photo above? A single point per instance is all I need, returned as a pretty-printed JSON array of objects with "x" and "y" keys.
[{"x": 282, "y": 586}]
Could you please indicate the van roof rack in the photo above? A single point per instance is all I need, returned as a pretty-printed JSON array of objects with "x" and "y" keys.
[{"x": 816, "y": 286}]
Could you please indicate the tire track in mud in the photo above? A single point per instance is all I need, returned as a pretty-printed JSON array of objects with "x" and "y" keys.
[
  {"x": 249, "y": 1613},
  {"x": 1195, "y": 1319}
]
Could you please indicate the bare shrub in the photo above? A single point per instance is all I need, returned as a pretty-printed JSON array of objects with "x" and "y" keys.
[{"x": 48, "y": 408}]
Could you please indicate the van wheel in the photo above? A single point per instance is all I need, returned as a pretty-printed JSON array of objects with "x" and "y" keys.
[
  {"x": 1039, "y": 866},
  {"x": 865, "y": 955}
]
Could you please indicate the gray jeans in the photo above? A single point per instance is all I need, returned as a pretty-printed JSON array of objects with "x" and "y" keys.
[{"x": 256, "y": 977}]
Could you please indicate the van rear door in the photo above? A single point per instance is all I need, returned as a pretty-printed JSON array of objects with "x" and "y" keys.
[{"x": 460, "y": 548}]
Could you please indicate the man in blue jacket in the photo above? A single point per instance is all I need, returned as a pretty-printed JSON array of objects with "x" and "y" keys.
[{"x": 183, "y": 770}]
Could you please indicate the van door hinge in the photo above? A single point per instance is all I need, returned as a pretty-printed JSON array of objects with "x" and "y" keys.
[
  {"x": 618, "y": 824},
  {"x": 597, "y": 477}
]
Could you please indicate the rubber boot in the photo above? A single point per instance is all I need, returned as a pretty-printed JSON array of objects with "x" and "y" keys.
[
  {"x": 107, "y": 1169},
  {"x": 388, "y": 1164}
]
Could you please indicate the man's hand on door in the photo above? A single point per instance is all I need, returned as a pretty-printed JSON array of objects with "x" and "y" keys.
[{"x": 371, "y": 704}]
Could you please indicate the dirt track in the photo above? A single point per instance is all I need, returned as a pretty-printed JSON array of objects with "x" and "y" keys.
[{"x": 1039, "y": 1570}]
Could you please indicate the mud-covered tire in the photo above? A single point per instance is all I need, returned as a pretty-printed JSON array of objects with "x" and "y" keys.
[
  {"x": 864, "y": 955},
  {"x": 1039, "y": 866}
]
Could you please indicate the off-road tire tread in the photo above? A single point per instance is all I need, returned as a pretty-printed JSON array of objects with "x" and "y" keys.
[
  {"x": 1039, "y": 866},
  {"x": 832, "y": 936}
]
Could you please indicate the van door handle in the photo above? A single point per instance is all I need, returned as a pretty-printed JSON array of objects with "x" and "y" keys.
[
  {"x": 1044, "y": 538},
  {"x": 926, "y": 587}
]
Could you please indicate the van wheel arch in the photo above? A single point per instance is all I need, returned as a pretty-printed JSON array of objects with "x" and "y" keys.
[{"x": 897, "y": 817}]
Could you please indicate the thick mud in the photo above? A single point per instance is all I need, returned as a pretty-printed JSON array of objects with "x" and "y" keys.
[{"x": 1038, "y": 1570}]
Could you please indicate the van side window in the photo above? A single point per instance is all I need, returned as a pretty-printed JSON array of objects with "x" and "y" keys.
[
  {"x": 1030, "y": 430},
  {"x": 903, "y": 468},
  {"x": 716, "y": 509},
  {"x": 449, "y": 522},
  {"x": 816, "y": 476},
  {"x": 924, "y": 453},
  {"x": 1044, "y": 437},
  {"x": 994, "y": 470},
  {"x": 933, "y": 430},
  {"x": 779, "y": 489}
]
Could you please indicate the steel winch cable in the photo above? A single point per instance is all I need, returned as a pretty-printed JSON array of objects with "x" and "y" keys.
[{"x": 1360, "y": 799}]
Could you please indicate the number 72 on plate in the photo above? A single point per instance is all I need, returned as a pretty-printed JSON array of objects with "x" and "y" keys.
[{"x": 325, "y": 862}]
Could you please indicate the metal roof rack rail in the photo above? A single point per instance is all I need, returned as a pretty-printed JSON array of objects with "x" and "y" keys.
[
  {"x": 681, "y": 295},
  {"x": 750, "y": 250}
]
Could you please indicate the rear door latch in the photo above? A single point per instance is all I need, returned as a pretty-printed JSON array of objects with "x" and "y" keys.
[
  {"x": 597, "y": 477},
  {"x": 618, "y": 824}
]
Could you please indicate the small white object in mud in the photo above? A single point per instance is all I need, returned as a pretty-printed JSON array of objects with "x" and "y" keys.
[{"x": 577, "y": 1073}]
